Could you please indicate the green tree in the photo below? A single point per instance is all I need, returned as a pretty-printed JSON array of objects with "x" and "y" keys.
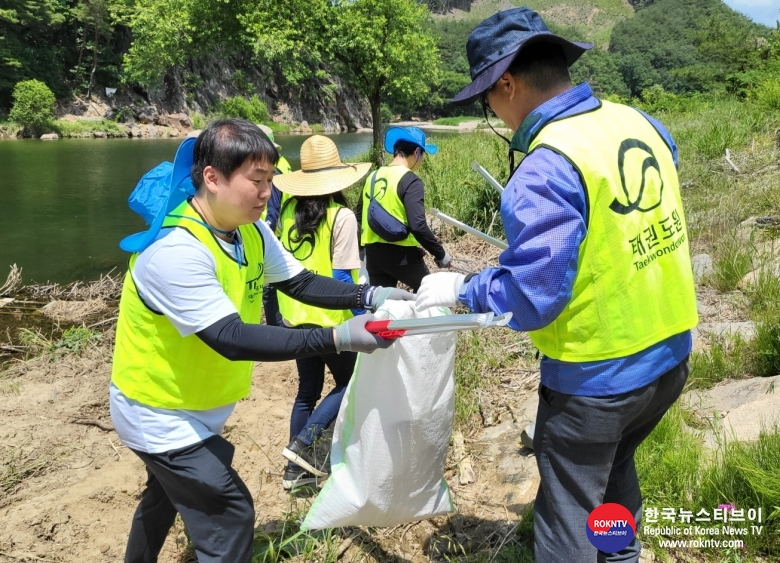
[
  {"x": 99, "y": 15},
  {"x": 383, "y": 49},
  {"x": 166, "y": 33},
  {"x": 162, "y": 33},
  {"x": 253, "y": 109},
  {"x": 292, "y": 35},
  {"x": 28, "y": 45},
  {"x": 33, "y": 105},
  {"x": 683, "y": 45}
]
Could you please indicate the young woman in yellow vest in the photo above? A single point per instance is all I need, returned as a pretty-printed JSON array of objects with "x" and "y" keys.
[
  {"x": 318, "y": 228},
  {"x": 188, "y": 334},
  {"x": 392, "y": 214}
]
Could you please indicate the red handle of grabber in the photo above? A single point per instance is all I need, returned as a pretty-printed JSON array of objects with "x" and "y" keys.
[{"x": 383, "y": 330}]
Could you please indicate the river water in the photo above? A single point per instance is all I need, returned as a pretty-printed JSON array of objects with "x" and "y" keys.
[{"x": 63, "y": 204}]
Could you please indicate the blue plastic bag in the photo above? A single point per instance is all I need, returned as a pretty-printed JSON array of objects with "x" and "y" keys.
[
  {"x": 158, "y": 193},
  {"x": 151, "y": 192}
]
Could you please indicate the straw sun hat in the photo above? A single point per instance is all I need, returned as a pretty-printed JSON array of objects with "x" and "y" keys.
[{"x": 322, "y": 171}]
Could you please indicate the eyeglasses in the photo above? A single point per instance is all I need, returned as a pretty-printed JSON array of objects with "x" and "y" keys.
[{"x": 485, "y": 105}]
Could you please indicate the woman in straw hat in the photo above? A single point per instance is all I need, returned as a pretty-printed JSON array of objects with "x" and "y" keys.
[{"x": 317, "y": 227}]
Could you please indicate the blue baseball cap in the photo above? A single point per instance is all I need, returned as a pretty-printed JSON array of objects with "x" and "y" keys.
[
  {"x": 411, "y": 134},
  {"x": 494, "y": 44},
  {"x": 159, "y": 197}
]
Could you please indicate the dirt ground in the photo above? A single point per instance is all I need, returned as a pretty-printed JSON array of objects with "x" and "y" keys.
[{"x": 76, "y": 486}]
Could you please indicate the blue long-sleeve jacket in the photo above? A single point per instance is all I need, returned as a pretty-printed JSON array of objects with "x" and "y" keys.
[{"x": 544, "y": 212}]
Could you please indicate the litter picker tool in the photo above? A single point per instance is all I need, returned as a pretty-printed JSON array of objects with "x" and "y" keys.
[
  {"x": 446, "y": 323},
  {"x": 486, "y": 175},
  {"x": 471, "y": 230}
]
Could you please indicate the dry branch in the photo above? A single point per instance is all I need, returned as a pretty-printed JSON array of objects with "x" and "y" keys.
[
  {"x": 465, "y": 470},
  {"x": 13, "y": 282},
  {"x": 92, "y": 422},
  {"x": 345, "y": 545},
  {"x": 730, "y": 163}
]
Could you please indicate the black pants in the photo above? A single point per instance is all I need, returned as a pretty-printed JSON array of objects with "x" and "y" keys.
[
  {"x": 388, "y": 264},
  {"x": 199, "y": 483},
  {"x": 584, "y": 449},
  {"x": 306, "y": 421}
]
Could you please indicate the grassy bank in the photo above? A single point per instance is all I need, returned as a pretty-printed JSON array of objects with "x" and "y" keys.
[
  {"x": 457, "y": 120},
  {"x": 676, "y": 471},
  {"x": 455, "y": 189},
  {"x": 85, "y": 129}
]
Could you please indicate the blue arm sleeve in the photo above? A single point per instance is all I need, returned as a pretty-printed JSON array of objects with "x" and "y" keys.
[
  {"x": 272, "y": 217},
  {"x": 544, "y": 212},
  {"x": 346, "y": 276},
  {"x": 667, "y": 137}
]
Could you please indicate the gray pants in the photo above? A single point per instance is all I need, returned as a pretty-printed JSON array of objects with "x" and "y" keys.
[
  {"x": 585, "y": 453},
  {"x": 199, "y": 483}
]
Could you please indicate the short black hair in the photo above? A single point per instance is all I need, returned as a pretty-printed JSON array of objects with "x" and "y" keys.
[
  {"x": 542, "y": 66},
  {"x": 226, "y": 143},
  {"x": 405, "y": 148}
]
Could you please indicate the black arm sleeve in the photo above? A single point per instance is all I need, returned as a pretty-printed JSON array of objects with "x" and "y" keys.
[
  {"x": 412, "y": 192},
  {"x": 236, "y": 340},
  {"x": 322, "y": 291}
]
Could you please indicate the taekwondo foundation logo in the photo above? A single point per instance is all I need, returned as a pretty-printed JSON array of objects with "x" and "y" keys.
[{"x": 610, "y": 527}]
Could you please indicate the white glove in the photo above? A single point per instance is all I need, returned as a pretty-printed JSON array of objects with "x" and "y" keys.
[{"x": 439, "y": 290}]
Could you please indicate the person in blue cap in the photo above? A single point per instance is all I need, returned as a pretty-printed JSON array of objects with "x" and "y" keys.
[
  {"x": 189, "y": 331},
  {"x": 391, "y": 213},
  {"x": 597, "y": 271}
]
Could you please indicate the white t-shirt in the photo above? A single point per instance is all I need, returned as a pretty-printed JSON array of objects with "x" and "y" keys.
[{"x": 176, "y": 276}]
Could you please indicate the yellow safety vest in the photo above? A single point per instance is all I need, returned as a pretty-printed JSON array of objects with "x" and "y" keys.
[
  {"x": 283, "y": 167},
  {"x": 316, "y": 254},
  {"x": 386, "y": 194},
  {"x": 634, "y": 284},
  {"x": 155, "y": 365}
]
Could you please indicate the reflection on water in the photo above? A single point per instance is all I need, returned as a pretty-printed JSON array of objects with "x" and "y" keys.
[
  {"x": 350, "y": 145},
  {"x": 63, "y": 204}
]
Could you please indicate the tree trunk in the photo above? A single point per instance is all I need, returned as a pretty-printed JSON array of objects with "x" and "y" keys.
[
  {"x": 81, "y": 54},
  {"x": 377, "y": 153},
  {"x": 94, "y": 63}
]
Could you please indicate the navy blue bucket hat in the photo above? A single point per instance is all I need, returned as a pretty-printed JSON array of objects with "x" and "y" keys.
[{"x": 494, "y": 43}]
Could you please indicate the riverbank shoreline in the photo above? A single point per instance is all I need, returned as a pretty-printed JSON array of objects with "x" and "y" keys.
[
  {"x": 463, "y": 127},
  {"x": 178, "y": 126}
]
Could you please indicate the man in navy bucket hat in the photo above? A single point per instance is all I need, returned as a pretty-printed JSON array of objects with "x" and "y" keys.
[
  {"x": 494, "y": 43},
  {"x": 597, "y": 272},
  {"x": 391, "y": 213}
]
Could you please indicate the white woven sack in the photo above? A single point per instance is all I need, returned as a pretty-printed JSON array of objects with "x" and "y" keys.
[{"x": 391, "y": 436}]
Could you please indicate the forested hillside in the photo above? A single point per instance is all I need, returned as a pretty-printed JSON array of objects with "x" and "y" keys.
[
  {"x": 316, "y": 60},
  {"x": 675, "y": 46}
]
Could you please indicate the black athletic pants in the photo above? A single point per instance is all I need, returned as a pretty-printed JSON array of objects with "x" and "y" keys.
[
  {"x": 199, "y": 483},
  {"x": 388, "y": 264}
]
